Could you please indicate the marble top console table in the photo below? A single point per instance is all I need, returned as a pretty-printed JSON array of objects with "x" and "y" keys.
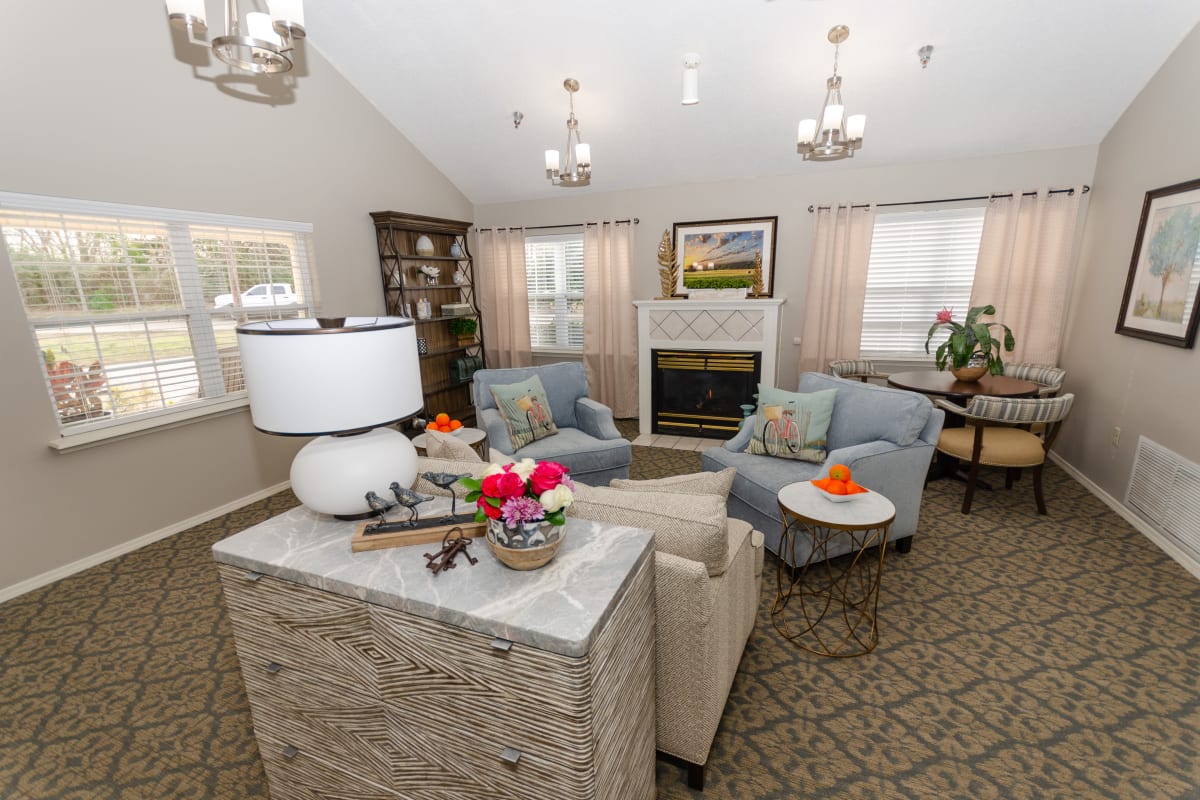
[{"x": 369, "y": 675}]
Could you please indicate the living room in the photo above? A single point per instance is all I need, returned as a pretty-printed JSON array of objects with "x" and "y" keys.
[{"x": 120, "y": 118}]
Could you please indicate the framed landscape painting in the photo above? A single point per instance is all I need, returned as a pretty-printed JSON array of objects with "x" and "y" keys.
[
  {"x": 1163, "y": 288},
  {"x": 725, "y": 254}
]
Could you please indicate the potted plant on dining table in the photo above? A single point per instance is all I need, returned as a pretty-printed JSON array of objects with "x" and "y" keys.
[{"x": 971, "y": 350}]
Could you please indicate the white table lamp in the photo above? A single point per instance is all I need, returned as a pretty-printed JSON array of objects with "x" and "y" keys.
[{"x": 340, "y": 380}]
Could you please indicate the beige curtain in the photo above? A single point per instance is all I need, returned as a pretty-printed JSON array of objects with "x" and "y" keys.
[
  {"x": 503, "y": 299},
  {"x": 837, "y": 286},
  {"x": 1024, "y": 269},
  {"x": 609, "y": 318}
]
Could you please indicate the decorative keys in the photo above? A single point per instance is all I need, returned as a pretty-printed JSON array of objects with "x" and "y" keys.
[{"x": 453, "y": 543}]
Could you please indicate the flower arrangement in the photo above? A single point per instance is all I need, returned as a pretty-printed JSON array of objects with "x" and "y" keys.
[
  {"x": 524, "y": 492},
  {"x": 971, "y": 340}
]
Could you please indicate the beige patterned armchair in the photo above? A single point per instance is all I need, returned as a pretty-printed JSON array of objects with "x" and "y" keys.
[{"x": 708, "y": 572}]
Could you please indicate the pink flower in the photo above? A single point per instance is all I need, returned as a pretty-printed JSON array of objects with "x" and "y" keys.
[
  {"x": 945, "y": 315},
  {"x": 546, "y": 476},
  {"x": 510, "y": 485},
  {"x": 521, "y": 509},
  {"x": 490, "y": 485}
]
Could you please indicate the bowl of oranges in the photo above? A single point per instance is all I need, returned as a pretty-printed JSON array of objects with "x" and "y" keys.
[
  {"x": 443, "y": 424},
  {"x": 839, "y": 487}
]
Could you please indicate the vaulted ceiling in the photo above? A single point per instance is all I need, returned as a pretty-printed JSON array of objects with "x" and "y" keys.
[{"x": 1005, "y": 76}]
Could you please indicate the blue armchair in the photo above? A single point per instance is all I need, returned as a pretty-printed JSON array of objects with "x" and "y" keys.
[
  {"x": 587, "y": 442},
  {"x": 886, "y": 436}
]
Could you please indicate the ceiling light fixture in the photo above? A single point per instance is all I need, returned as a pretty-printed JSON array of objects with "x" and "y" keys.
[
  {"x": 924, "y": 55},
  {"x": 577, "y": 169},
  {"x": 832, "y": 135},
  {"x": 691, "y": 79},
  {"x": 257, "y": 42}
]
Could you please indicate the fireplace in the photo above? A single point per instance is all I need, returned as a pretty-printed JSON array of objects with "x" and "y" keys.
[{"x": 701, "y": 392}]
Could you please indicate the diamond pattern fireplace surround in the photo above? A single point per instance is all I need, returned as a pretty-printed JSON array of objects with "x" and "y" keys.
[{"x": 700, "y": 360}]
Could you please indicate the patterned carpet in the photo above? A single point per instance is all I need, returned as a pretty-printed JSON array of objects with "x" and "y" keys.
[{"x": 1019, "y": 657}]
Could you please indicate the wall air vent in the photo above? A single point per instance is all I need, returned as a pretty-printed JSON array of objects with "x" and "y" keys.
[{"x": 1164, "y": 489}]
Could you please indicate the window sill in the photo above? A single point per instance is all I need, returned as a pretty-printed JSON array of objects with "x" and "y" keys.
[
  {"x": 70, "y": 442},
  {"x": 557, "y": 351}
]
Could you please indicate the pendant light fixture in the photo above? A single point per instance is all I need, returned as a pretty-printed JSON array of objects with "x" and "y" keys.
[
  {"x": 256, "y": 42},
  {"x": 832, "y": 135},
  {"x": 691, "y": 79},
  {"x": 577, "y": 169}
]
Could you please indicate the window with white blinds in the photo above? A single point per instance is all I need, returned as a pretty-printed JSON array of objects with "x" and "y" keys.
[
  {"x": 554, "y": 280},
  {"x": 921, "y": 261},
  {"x": 133, "y": 310}
]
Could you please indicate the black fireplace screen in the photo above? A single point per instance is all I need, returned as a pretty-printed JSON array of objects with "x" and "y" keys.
[{"x": 700, "y": 392}]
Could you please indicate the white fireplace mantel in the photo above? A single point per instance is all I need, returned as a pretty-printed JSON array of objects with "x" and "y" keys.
[{"x": 744, "y": 325}]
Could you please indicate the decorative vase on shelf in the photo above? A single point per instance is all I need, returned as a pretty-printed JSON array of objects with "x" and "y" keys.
[
  {"x": 527, "y": 545},
  {"x": 424, "y": 245},
  {"x": 456, "y": 251}
]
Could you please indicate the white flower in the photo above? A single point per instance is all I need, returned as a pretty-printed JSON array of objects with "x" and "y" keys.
[
  {"x": 524, "y": 468},
  {"x": 557, "y": 498},
  {"x": 493, "y": 469}
]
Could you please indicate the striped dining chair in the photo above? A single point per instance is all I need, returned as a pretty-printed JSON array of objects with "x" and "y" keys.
[
  {"x": 861, "y": 369},
  {"x": 1049, "y": 379},
  {"x": 998, "y": 436}
]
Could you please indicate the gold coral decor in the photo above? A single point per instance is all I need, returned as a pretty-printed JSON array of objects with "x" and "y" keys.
[{"x": 668, "y": 275}]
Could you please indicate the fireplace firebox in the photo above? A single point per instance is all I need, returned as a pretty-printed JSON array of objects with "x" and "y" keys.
[{"x": 701, "y": 392}]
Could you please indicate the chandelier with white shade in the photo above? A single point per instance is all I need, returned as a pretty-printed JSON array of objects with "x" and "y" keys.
[
  {"x": 832, "y": 135},
  {"x": 577, "y": 169},
  {"x": 257, "y": 42}
]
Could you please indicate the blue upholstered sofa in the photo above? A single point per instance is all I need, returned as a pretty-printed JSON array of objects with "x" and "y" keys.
[
  {"x": 587, "y": 442},
  {"x": 886, "y": 436}
]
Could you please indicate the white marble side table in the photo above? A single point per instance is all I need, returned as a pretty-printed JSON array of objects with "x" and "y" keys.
[
  {"x": 476, "y": 437},
  {"x": 829, "y": 604}
]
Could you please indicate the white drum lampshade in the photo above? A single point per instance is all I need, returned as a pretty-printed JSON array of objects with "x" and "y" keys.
[{"x": 341, "y": 381}]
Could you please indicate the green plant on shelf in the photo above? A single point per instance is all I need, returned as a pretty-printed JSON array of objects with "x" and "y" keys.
[{"x": 464, "y": 328}]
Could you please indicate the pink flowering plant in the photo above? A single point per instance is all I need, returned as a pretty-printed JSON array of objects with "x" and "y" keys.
[
  {"x": 526, "y": 491},
  {"x": 969, "y": 340}
]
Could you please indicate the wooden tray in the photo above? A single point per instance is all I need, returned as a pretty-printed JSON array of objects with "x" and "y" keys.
[{"x": 426, "y": 532}]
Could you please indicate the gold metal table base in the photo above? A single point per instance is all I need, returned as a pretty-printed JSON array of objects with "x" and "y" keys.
[{"x": 832, "y": 599}]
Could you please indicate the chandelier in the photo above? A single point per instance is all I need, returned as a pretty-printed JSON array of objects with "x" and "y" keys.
[
  {"x": 836, "y": 136},
  {"x": 257, "y": 42},
  {"x": 577, "y": 169}
]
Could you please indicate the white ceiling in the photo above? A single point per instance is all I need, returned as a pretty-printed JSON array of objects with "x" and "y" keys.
[{"x": 1006, "y": 76}]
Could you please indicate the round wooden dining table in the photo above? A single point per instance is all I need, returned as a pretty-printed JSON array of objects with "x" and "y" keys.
[{"x": 944, "y": 384}]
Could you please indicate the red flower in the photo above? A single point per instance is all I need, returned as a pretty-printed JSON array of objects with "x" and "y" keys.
[
  {"x": 945, "y": 315},
  {"x": 546, "y": 475},
  {"x": 510, "y": 485},
  {"x": 493, "y": 512},
  {"x": 491, "y": 485}
]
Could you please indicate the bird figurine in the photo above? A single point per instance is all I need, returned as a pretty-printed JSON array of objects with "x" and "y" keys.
[
  {"x": 409, "y": 499},
  {"x": 379, "y": 505}
]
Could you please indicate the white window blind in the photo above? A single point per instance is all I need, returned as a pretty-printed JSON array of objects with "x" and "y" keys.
[
  {"x": 554, "y": 278},
  {"x": 133, "y": 310},
  {"x": 921, "y": 261}
]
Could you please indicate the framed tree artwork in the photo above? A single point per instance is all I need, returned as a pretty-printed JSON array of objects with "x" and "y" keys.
[
  {"x": 726, "y": 254},
  {"x": 1162, "y": 292}
]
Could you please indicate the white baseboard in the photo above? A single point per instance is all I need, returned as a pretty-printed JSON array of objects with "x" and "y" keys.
[
  {"x": 1166, "y": 545},
  {"x": 58, "y": 573}
]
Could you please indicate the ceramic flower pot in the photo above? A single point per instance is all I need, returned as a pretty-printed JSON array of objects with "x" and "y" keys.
[
  {"x": 969, "y": 373},
  {"x": 526, "y": 546}
]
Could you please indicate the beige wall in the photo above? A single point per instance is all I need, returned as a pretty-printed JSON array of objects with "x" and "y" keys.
[
  {"x": 788, "y": 198},
  {"x": 102, "y": 110},
  {"x": 1146, "y": 389}
]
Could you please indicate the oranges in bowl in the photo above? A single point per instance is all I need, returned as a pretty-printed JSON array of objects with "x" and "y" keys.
[
  {"x": 839, "y": 486},
  {"x": 443, "y": 424}
]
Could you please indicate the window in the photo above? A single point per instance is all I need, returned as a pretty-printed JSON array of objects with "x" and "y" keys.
[
  {"x": 920, "y": 262},
  {"x": 554, "y": 278},
  {"x": 133, "y": 310}
]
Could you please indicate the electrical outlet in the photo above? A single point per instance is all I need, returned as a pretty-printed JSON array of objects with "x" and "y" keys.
[{"x": 1116, "y": 436}]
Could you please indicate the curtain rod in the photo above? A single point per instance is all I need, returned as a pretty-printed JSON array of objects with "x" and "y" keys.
[
  {"x": 1086, "y": 189},
  {"x": 635, "y": 221}
]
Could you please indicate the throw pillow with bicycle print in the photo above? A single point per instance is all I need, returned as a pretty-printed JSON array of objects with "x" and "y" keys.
[
  {"x": 525, "y": 410},
  {"x": 792, "y": 425}
]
